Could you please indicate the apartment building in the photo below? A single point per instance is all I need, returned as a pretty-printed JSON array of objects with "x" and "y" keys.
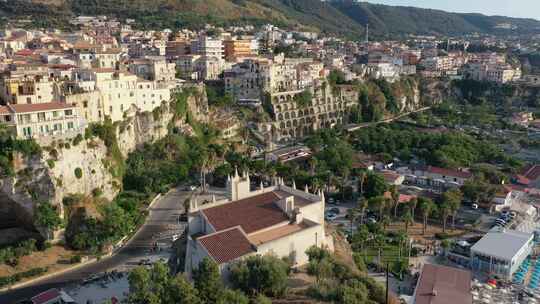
[
  {"x": 153, "y": 68},
  {"x": 238, "y": 48},
  {"x": 282, "y": 80},
  {"x": 26, "y": 89},
  {"x": 177, "y": 48},
  {"x": 41, "y": 120},
  {"x": 499, "y": 73},
  {"x": 208, "y": 47}
]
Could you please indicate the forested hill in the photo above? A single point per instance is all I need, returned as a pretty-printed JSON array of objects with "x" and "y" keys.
[{"x": 344, "y": 17}]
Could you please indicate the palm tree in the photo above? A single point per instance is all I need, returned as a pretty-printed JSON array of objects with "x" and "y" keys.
[
  {"x": 407, "y": 219},
  {"x": 413, "y": 204},
  {"x": 361, "y": 180},
  {"x": 395, "y": 198},
  {"x": 445, "y": 212},
  {"x": 352, "y": 214},
  {"x": 379, "y": 203},
  {"x": 362, "y": 205},
  {"x": 427, "y": 207},
  {"x": 453, "y": 199},
  {"x": 380, "y": 241},
  {"x": 385, "y": 221},
  {"x": 401, "y": 238}
]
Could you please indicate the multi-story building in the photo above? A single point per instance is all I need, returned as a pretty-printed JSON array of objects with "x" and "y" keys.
[
  {"x": 153, "y": 68},
  {"x": 177, "y": 48},
  {"x": 41, "y": 120},
  {"x": 239, "y": 48},
  {"x": 26, "y": 89},
  {"x": 278, "y": 220},
  {"x": 208, "y": 47},
  {"x": 283, "y": 82}
]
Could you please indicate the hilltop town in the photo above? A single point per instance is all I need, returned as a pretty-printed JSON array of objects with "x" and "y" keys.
[{"x": 266, "y": 164}]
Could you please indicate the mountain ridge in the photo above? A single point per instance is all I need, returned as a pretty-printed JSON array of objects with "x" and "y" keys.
[{"x": 342, "y": 17}]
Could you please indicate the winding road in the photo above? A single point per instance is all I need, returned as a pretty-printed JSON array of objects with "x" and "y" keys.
[{"x": 162, "y": 219}]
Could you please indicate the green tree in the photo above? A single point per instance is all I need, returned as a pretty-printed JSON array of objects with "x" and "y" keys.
[
  {"x": 46, "y": 216},
  {"x": 407, "y": 219},
  {"x": 229, "y": 296},
  {"x": 363, "y": 204},
  {"x": 394, "y": 193},
  {"x": 261, "y": 299},
  {"x": 453, "y": 199},
  {"x": 208, "y": 281},
  {"x": 379, "y": 203},
  {"x": 261, "y": 275},
  {"x": 375, "y": 185},
  {"x": 426, "y": 207},
  {"x": 180, "y": 291},
  {"x": 445, "y": 212},
  {"x": 140, "y": 287}
]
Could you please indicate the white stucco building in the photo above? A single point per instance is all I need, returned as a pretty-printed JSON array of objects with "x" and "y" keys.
[{"x": 278, "y": 220}]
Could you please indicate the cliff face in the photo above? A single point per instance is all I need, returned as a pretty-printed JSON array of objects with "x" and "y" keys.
[{"x": 85, "y": 166}]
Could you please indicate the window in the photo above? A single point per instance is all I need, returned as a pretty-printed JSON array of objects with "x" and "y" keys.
[
  {"x": 55, "y": 114},
  {"x": 68, "y": 112},
  {"x": 27, "y": 131},
  {"x": 41, "y": 117},
  {"x": 85, "y": 104},
  {"x": 28, "y": 100},
  {"x": 110, "y": 109},
  {"x": 70, "y": 125}
]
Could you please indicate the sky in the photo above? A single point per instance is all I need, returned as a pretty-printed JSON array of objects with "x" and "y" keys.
[{"x": 511, "y": 8}]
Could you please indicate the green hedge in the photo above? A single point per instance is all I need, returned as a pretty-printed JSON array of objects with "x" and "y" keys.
[{"x": 9, "y": 280}]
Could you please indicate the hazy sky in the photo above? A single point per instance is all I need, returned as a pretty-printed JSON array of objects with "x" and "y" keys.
[{"x": 512, "y": 8}]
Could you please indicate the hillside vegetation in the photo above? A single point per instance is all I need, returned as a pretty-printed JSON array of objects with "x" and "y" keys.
[{"x": 343, "y": 17}]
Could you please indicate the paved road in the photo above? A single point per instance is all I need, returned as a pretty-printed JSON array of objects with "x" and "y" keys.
[{"x": 163, "y": 216}]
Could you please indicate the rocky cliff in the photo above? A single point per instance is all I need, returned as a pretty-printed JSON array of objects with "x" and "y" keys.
[{"x": 86, "y": 164}]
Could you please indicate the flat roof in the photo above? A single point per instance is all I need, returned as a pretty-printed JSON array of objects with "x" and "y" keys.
[{"x": 503, "y": 244}]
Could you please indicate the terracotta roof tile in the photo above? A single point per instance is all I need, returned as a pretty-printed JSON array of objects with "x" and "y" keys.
[
  {"x": 252, "y": 213},
  {"x": 443, "y": 285},
  {"x": 532, "y": 172},
  {"x": 4, "y": 110},
  {"x": 227, "y": 245},
  {"x": 46, "y": 296},
  {"x": 449, "y": 172},
  {"x": 37, "y": 107}
]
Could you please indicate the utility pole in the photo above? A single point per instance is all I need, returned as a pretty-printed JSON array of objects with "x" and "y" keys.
[{"x": 387, "y": 281}]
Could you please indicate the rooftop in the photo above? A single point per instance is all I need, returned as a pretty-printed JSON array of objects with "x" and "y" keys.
[
  {"x": 279, "y": 232},
  {"x": 39, "y": 107},
  {"x": 449, "y": 172},
  {"x": 490, "y": 244},
  {"x": 443, "y": 285},
  {"x": 46, "y": 296},
  {"x": 532, "y": 172},
  {"x": 252, "y": 213},
  {"x": 227, "y": 245}
]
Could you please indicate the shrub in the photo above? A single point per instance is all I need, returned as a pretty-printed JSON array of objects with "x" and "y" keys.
[
  {"x": 97, "y": 192},
  {"x": 261, "y": 274},
  {"x": 78, "y": 173},
  {"x": 50, "y": 163},
  {"x": 4, "y": 281},
  {"x": 75, "y": 259},
  {"x": 77, "y": 140},
  {"x": 442, "y": 235}
]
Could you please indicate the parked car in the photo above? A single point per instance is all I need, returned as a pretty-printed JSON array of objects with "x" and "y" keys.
[
  {"x": 330, "y": 216},
  {"x": 334, "y": 210}
]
